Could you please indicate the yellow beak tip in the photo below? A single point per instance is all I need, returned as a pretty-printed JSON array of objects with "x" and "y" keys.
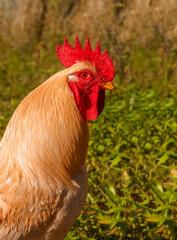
[{"x": 108, "y": 85}]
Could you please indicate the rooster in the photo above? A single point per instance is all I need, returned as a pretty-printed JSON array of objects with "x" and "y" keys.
[{"x": 43, "y": 179}]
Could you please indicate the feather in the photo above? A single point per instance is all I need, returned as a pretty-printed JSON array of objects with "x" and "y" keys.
[{"x": 41, "y": 161}]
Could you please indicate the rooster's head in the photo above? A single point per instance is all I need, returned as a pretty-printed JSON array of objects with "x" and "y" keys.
[{"x": 88, "y": 85}]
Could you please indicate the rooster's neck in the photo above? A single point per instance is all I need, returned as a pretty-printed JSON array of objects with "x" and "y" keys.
[{"x": 46, "y": 136}]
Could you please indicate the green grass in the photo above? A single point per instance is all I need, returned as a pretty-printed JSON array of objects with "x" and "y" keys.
[
  {"x": 132, "y": 150},
  {"x": 131, "y": 161}
]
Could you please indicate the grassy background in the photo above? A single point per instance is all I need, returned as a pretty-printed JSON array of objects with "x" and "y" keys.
[{"x": 132, "y": 150}]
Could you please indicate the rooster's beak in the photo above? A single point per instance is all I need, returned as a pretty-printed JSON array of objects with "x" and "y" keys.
[{"x": 107, "y": 85}]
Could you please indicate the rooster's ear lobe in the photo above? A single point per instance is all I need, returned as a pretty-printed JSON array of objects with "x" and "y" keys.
[{"x": 72, "y": 78}]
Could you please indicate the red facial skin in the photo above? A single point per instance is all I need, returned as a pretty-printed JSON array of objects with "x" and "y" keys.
[{"x": 89, "y": 95}]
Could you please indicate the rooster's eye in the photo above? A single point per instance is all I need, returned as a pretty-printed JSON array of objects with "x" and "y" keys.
[{"x": 84, "y": 75}]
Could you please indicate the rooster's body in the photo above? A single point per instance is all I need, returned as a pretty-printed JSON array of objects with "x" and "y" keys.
[{"x": 43, "y": 179}]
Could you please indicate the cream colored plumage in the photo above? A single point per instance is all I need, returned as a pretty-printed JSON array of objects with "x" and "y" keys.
[{"x": 43, "y": 180}]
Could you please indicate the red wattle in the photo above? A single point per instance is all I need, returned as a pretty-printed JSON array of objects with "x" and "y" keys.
[
  {"x": 92, "y": 103},
  {"x": 89, "y": 102}
]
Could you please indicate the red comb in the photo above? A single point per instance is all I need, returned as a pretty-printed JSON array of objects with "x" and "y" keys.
[{"x": 69, "y": 55}]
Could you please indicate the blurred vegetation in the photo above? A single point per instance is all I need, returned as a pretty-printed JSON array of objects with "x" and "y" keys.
[
  {"x": 132, "y": 150},
  {"x": 132, "y": 169}
]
